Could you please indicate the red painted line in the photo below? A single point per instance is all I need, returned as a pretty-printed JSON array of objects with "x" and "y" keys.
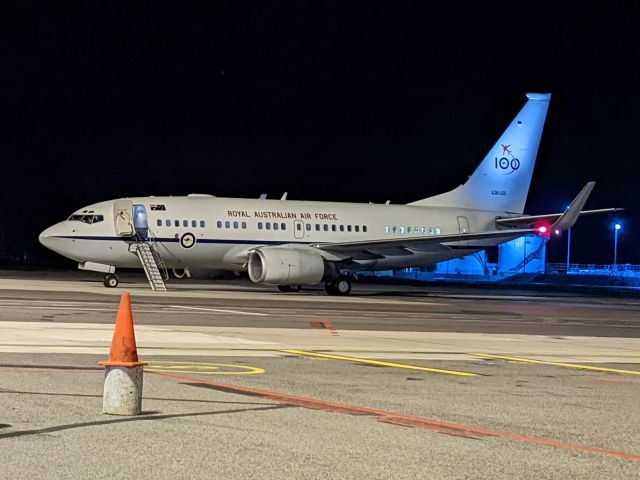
[
  {"x": 330, "y": 327},
  {"x": 394, "y": 418},
  {"x": 326, "y": 324}
]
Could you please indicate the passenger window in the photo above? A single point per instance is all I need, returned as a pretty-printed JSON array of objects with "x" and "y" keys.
[
  {"x": 201, "y": 223},
  {"x": 317, "y": 227},
  {"x": 219, "y": 224},
  {"x": 176, "y": 223},
  {"x": 424, "y": 230},
  {"x": 409, "y": 229},
  {"x": 244, "y": 225},
  {"x": 326, "y": 227},
  {"x": 333, "y": 227},
  {"x": 364, "y": 228},
  {"x": 387, "y": 229},
  {"x": 185, "y": 223},
  {"x": 283, "y": 226},
  {"x": 308, "y": 226},
  {"x": 259, "y": 225},
  {"x": 342, "y": 228},
  {"x": 235, "y": 224},
  {"x": 167, "y": 223},
  {"x": 268, "y": 225},
  {"x": 400, "y": 229},
  {"x": 357, "y": 228},
  {"x": 159, "y": 223},
  {"x": 394, "y": 229},
  {"x": 437, "y": 230},
  {"x": 298, "y": 226},
  {"x": 275, "y": 226},
  {"x": 227, "y": 224},
  {"x": 348, "y": 228}
]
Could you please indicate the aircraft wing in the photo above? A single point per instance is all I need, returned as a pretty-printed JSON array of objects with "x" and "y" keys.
[
  {"x": 404, "y": 246},
  {"x": 550, "y": 217},
  {"x": 580, "y": 200}
]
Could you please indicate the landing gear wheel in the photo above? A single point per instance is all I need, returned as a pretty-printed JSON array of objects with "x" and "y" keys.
[
  {"x": 341, "y": 286},
  {"x": 329, "y": 287},
  {"x": 289, "y": 288},
  {"x": 110, "y": 281}
]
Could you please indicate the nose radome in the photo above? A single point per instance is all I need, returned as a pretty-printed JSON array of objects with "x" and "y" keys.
[{"x": 47, "y": 237}]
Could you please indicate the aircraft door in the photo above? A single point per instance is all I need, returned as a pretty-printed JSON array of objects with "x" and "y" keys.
[
  {"x": 140, "y": 222},
  {"x": 298, "y": 229},
  {"x": 463, "y": 224},
  {"x": 122, "y": 217}
]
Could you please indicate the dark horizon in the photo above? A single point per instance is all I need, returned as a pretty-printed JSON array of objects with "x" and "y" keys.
[{"x": 359, "y": 102}]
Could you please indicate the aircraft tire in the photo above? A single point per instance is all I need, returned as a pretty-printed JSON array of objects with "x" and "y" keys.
[
  {"x": 342, "y": 285},
  {"x": 329, "y": 287},
  {"x": 111, "y": 281},
  {"x": 289, "y": 288}
]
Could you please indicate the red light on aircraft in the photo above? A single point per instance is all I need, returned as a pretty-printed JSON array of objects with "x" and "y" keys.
[{"x": 543, "y": 230}]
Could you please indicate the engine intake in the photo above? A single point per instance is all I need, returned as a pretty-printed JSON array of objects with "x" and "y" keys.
[{"x": 285, "y": 266}]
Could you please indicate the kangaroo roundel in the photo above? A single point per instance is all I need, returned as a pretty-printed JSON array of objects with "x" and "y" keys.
[{"x": 188, "y": 240}]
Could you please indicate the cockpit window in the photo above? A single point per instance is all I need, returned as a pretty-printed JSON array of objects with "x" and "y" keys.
[{"x": 86, "y": 218}]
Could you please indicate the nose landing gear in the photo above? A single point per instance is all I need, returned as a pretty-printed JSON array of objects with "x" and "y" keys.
[{"x": 111, "y": 280}]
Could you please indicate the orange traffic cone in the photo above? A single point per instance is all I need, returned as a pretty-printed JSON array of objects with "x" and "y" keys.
[{"x": 123, "y": 351}]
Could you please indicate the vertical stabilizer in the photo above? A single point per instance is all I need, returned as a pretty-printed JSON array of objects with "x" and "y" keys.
[{"x": 501, "y": 182}]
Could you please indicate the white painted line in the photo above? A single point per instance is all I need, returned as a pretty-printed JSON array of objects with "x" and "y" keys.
[{"x": 217, "y": 310}]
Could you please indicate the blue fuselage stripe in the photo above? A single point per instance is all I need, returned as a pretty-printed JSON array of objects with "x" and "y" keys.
[{"x": 176, "y": 240}]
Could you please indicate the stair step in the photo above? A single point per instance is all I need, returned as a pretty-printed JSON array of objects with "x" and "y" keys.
[{"x": 148, "y": 261}]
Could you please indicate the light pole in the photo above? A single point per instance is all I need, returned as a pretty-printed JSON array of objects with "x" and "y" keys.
[
  {"x": 568, "y": 248},
  {"x": 568, "y": 243},
  {"x": 616, "y": 227}
]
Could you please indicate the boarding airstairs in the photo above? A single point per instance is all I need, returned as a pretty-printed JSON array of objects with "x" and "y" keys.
[{"x": 152, "y": 264}]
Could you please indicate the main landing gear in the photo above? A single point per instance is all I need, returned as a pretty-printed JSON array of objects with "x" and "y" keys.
[
  {"x": 341, "y": 285},
  {"x": 111, "y": 280},
  {"x": 289, "y": 288}
]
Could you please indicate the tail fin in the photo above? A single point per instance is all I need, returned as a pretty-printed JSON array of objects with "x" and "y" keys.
[{"x": 501, "y": 182}]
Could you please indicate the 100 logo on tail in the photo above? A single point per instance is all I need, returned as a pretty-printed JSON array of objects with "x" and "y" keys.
[{"x": 507, "y": 165}]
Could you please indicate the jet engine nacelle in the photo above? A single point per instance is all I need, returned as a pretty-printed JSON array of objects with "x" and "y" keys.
[{"x": 285, "y": 266}]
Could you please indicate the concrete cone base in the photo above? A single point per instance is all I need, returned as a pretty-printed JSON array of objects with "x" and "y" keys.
[{"x": 122, "y": 391}]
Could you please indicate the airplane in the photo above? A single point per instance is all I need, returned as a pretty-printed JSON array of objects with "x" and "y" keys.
[{"x": 291, "y": 243}]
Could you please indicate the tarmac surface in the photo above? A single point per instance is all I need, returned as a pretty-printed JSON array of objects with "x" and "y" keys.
[{"x": 392, "y": 382}]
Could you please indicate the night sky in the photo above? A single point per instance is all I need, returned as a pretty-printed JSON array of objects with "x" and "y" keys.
[{"x": 348, "y": 101}]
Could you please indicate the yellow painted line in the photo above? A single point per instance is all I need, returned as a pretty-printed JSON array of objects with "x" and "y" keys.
[
  {"x": 202, "y": 368},
  {"x": 558, "y": 364},
  {"x": 381, "y": 364}
]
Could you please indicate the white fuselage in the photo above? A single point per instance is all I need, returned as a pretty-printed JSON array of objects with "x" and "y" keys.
[{"x": 225, "y": 229}]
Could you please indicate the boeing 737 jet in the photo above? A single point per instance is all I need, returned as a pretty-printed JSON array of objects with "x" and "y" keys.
[{"x": 293, "y": 243}]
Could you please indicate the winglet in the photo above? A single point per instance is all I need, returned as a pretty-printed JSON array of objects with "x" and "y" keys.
[{"x": 569, "y": 218}]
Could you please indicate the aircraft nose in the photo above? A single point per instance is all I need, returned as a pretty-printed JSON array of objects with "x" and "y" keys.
[
  {"x": 50, "y": 237},
  {"x": 45, "y": 237}
]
